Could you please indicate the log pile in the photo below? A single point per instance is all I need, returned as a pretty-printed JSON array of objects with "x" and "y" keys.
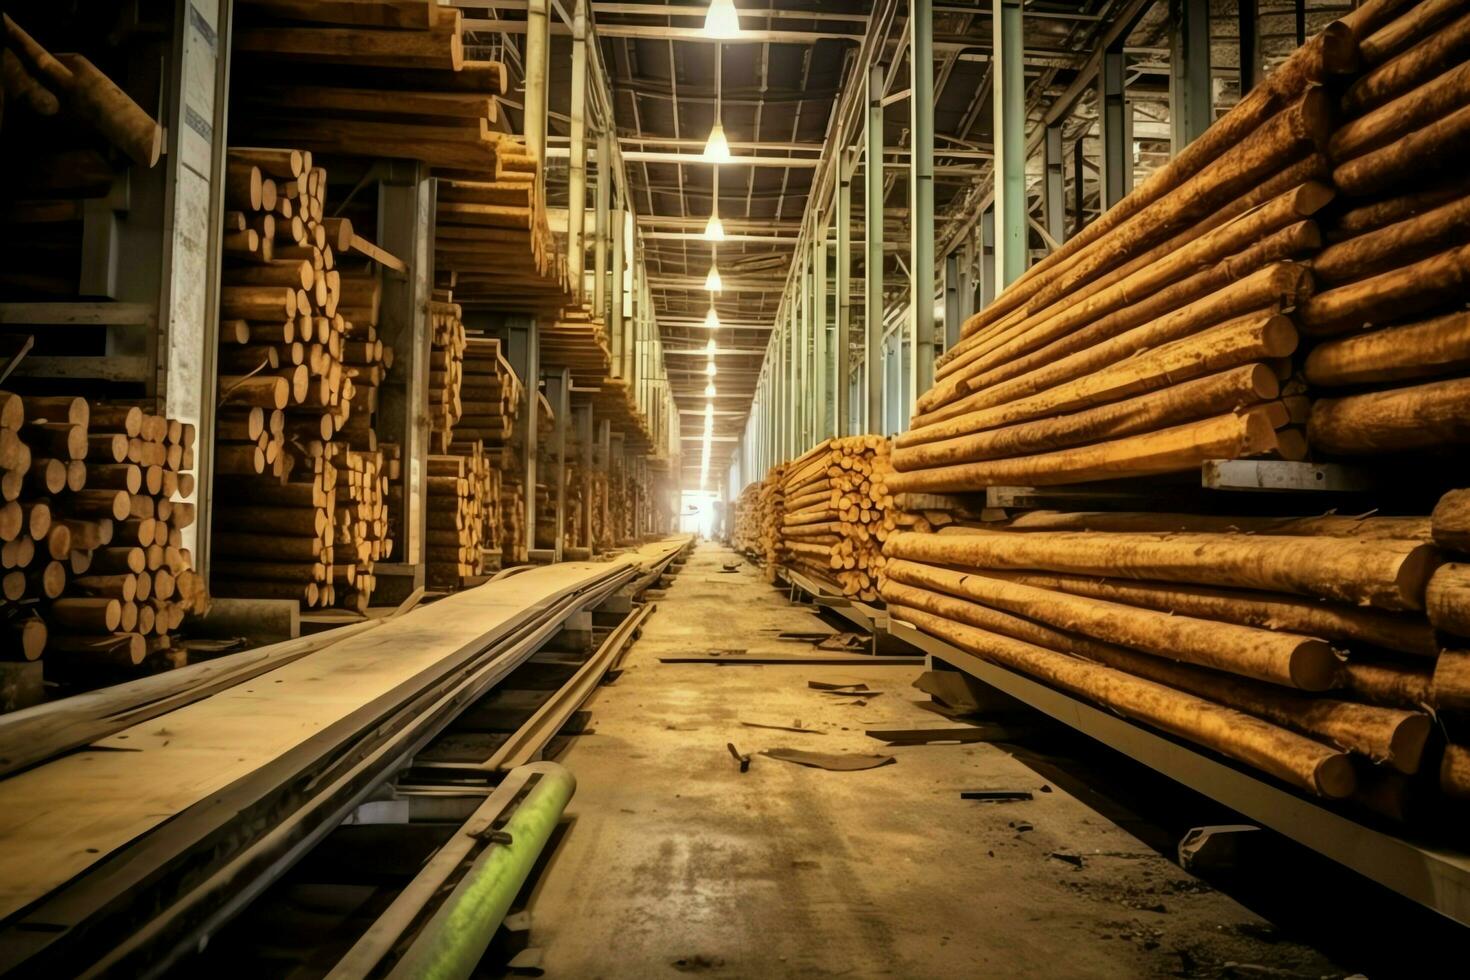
[
  {"x": 79, "y": 132},
  {"x": 1157, "y": 337},
  {"x": 1307, "y": 648},
  {"x": 95, "y": 573},
  {"x": 446, "y": 367},
  {"x": 1447, "y": 602},
  {"x": 1391, "y": 361},
  {"x": 462, "y": 498},
  {"x": 745, "y": 525},
  {"x": 490, "y": 398},
  {"x": 836, "y": 513},
  {"x": 301, "y": 481},
  {"x": 772, "y": 510}
]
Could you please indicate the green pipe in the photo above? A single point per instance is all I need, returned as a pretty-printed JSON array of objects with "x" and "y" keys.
[{"x": 451, "y": 943}]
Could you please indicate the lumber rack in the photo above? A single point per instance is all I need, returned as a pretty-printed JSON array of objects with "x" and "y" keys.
[
  {"x": 169, "y": 897},
  {"x": 1435, "y": 877}
]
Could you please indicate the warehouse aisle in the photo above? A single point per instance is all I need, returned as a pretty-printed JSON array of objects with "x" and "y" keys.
[{"x": 676, "y": 862}]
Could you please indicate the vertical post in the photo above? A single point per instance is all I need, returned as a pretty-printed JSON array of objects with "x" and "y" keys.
[
  {"x": 1079, "y": 196},
  {"x": 577, "y": 172},
  {"x": 951, "y": 300},
  {"x": 526, "y": 359},
  {"x": 584, "y": 437},
  {"x": 1012, "y": 232},
  {"x": 538, "y": 70},
  {"x": 1054, "y": 190},
  {"x": 921, "y": 195},
  {"x": 622, "y": 362},
  {"x": 802, "y": 312},
  {"x": 822, "y": 391},
  {"x": 873, "y": 248},
  {"x": 601, "y": 227},
  {"x": 843, "y": 356},
  {"x": 1190, "y": 109},
  {"x": 1250, "y": 49},
  {"x": 1301, "y": 22},
  {"x": 1117, "y": 158},
  {"x": 988, "y": 282}
]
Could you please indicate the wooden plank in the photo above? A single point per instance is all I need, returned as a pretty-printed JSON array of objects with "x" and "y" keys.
[
  {"x": 362, "y": 246},
  {"x": 117, "y": 368},
  {"x": 59, "y": 819},
  {"x": 77, "y": 314}
]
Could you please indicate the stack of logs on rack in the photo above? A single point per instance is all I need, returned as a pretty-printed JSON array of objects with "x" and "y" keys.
[
  {"x": 463, "y": 505},
  {"x": 745, "y": 525},
  {"x": 446, "y": 367},
  {"x": 1158, "y": 336},
  {"x": 1304, "y": 647},
  {"x": 837, "y": 511},
  {"x": 1388, "y": 318},
  {"x": 301, "y": 488},
  {"x": 95, "y": 571}
]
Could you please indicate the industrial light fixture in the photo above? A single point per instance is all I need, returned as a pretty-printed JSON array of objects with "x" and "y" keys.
[
  {"x": 709, "y": 348},
  {"x": 721, "y": 20},
  {"x": 711, "y": 319},
  {"x": 713, "y": 282},
  {"x": 709, "y": 369},
  {"x": 714, "y": 229},
  {"x": 717, "y": 148},
  {"x": 709, "y": 391}
]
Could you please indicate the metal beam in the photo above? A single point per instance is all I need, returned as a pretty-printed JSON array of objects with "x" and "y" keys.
[
  {"x": 1249, "y": 22},
  {"x": 873, "y": 247},
  {"x": 1054, "y": 187},
  {"x": 1190, "y": 109},
  {"x": 736, "y": 160},
  {"x": 1012, "y": 233},
  {"x": 577, "y": 171},
  {"x": 538, "y": 71},
  {"x": 842, "y": 340},
  {"x": 921, "y": 196},
  {"x": 1112, "y": 100}
]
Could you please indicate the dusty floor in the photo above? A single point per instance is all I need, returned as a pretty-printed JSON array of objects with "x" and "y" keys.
[{"x": 678, "y": 863}]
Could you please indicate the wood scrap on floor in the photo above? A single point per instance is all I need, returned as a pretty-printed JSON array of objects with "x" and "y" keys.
[
  {"x": 795, "y": 726},
  {"x": 831, "y": 761},
  {"x": 738, "y": 756}
]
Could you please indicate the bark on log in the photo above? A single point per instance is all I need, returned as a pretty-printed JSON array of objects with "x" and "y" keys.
[
  {"x": 1395, "y": 245},
  {"x": 1276, "y": 657},
  {"x": 1348, "y": 625},
  {"x": 1435, "y": 147},
  {"x": 1180, "y": 447},
  {"x": 1385, "y": 574},
  {"x": 1427, "y": 349},
  {"x": 1446, "y": 48},
  {"x": 1395, "y": 420},
  {"x": 1447, "y": 599},
  {"x": 1450, "y": 522},
  {"x": 1398, "y": 294},
  {"x": 1300, "y": 761},
  {"x": 1452, "y": 681}
]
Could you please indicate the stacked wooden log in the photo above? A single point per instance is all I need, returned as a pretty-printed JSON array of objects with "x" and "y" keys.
[
  {"x": 745, "y": 525},
  {"x": 1305, "y": 648},
  {"x": 772, "y": 510},
  {"x": 1156, "y": 337},
  {"x": 836, "y": 513},
  {"x": 490, "y": 397},
  {"x": 95, "y": 572},
  {"x": 513, "y": 550},
  {"x": 1447, "y": 602},
  {"x": 446, "y": 367},
  {"x": 1391, "y": 361},
  {"x": 296, "y": 454},
  {"x": 453, "y": 528},
  {"x": 48, "y": 101}
]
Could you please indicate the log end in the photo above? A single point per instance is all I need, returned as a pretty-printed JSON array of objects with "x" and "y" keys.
[
  {"x": 1315, "y": 666},
  {"x": 1340, "y": 55},
  {"x": 1406, "y": 746},
  {"x": 1334, "y": 776},
  {"x": 1415, "y": 571}
]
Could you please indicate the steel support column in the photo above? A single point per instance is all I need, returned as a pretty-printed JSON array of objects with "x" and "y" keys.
[
  {"x": 951, "y": 300},
  {"x": 921, "y": 196},
  {"x": 1117, "y": 155},
  {"x": 603, "y": 196},
  {"x": 538, "y": 72},
  {"x": 525, "y": 357},
  {"x": 873, "y": 249},
  {"x": 577, "y": 171},
  {"x": 987, "y": 257},
  {"x": 1190, "y": 110},
  {"x": 619, "y": 272},
  {"x": 1012, "y": 232},
  {"x": 842, "y": 340},
  {"x": 822, "y": 392},
  {"x": 1054, "y": 189},
  {"x": 1249, "y": 20}
]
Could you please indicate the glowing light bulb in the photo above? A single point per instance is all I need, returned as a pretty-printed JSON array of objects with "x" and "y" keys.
[
  {"x": 712, "y": 282},
  {"x": 709, "y": 348},
  {"x": 709, "y": 369},
  {"x": 709, "y": 391},
  {"x": 714, "y": 229},
  {"x": 717, "y": 147},
  {"x": 721, "y": 20},
  {"x": 712, "y": 319}
]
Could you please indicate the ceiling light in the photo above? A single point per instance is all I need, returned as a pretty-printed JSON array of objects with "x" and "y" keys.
[
  {"x": 709, "y": 391},
  {"x": 712, "y": 282},
  {"x": 709, "y": 409},
  {"x": 709, "y": 369},
  {"x": 717, "y": 148},
  {"x": 709, "y": 348},
  {"x": 711, "y": 319},
  {"x": 714, "y": 229},
  {"x": 721, "y": 20}
]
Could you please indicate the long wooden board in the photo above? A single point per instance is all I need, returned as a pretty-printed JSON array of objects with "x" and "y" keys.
[{"x": 60, "y": 818}]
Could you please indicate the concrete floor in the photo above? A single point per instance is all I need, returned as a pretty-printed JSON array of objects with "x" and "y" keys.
[{"x": 675, "y": 862}]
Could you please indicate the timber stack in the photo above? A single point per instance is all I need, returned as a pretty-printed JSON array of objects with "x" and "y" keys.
[
  {"x": 455, "y": 524},
  {"x": 745, "y": 527},
  {"x": 836, "y": 513},
  {"x": 1390, "y": 365},
  {"x": 95, "y": 574},
  {"x": 301, "y": 490},
  {"x": 48, "y": 100},
  {"x": 490, "y": 396},
  {"x": 1160, "y": 335},
  {"x": 1304, "y": 647},
  {"x": 446, "y": 367}
]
